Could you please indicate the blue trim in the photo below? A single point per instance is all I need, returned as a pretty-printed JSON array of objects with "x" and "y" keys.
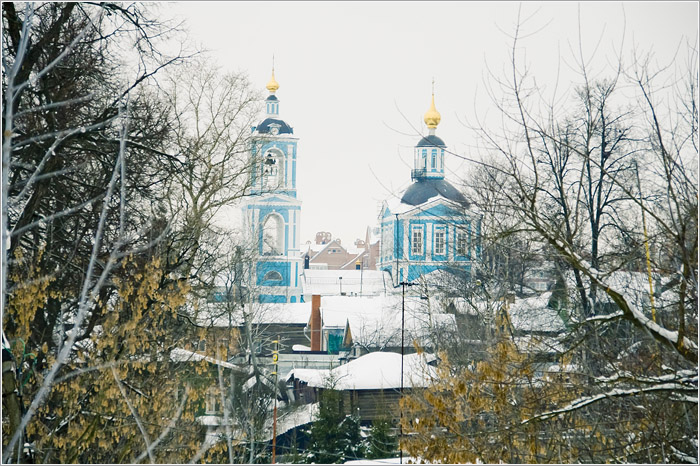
[
  {"x": 272, "y": 298},
  {"x": 293, "y": 226}
]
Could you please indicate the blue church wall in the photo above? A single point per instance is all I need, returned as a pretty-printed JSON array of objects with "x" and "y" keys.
[
  {"x": 273, "y": 298},
  {"x": 398, "y": 239},
  {"x": 280, "y": 267}
]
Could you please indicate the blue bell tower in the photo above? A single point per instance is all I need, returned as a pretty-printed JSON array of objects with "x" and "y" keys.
[{"x": 273, "y": 212}]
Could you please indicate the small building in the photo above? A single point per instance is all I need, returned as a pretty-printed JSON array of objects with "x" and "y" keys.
[
  {"x": 330, "y": 254},
  {"x": 370, "y": 385}
]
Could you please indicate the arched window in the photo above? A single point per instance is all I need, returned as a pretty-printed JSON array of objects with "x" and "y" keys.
[
  {"x": 273, "y": 235},
  {"x": 272, "y": 275},
  {"x": 433, "y": 160},
  {"x": 273, "y": 169}
]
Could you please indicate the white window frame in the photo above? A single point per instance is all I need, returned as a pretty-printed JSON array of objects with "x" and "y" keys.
[
  {"x": 461, "y": 244},
  {"x": 439, "y": 230},
  {"x": 417, "y": 240}
]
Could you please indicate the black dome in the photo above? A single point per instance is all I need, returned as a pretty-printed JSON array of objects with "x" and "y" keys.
[
  {"x": 431, "y": 141},
  {"x": 264, "y": 127},
  {"x": 422, "y": 190}
]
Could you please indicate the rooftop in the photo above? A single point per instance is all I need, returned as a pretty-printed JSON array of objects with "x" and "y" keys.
[{"x": 373, "y": 371}]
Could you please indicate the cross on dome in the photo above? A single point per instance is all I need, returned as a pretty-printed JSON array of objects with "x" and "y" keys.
[
  {"x": 273, "y": 85},
  {"x": 432, "y": 116}
]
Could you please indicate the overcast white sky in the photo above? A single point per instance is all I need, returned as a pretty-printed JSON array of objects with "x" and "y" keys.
[{"x": 355, "y": 77}]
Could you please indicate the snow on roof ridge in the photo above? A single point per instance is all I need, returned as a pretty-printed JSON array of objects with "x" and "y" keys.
[{"x": 183, "y": 355}]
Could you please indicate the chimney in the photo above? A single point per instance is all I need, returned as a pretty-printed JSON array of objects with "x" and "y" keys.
[{"x": 316, "y": 322}]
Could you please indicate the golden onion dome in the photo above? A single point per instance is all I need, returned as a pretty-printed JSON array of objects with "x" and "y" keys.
[
  {"x": 432, "y": 116},
  {"x": 272, "y": 85}
]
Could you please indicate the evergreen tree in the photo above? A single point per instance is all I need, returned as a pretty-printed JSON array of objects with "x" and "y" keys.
[
  {"x": 382, "y": 443},
  {"x": 335, "y": 436}
]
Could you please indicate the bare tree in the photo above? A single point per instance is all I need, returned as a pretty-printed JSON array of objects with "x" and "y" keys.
[
  {"x": 90, "y": 225},
  {"x": 606, "y": 186}
]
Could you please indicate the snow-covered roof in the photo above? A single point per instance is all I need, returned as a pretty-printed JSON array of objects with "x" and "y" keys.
[
  {"x": 634, "y": 286},
  {"x": 375, "y": 321},
  {"x": 373, "y": 371},
  {"x": 286, "y": 421},
  {"x": 327, "y": 282},
  {"x": 533, "y": 315},
  {"x": 217, "y": 315},
  {"x": 355, "y": 250},
  {"x": 183, "y": 355}
]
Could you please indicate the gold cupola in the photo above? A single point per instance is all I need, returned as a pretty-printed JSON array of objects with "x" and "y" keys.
[
  {"x": 432, "y": 116},
  {"x": 273, "y": 85}
]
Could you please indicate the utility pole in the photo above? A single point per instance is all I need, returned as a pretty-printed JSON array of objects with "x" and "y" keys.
[
  {"x": 362, "y": 270},
  {"x": 275, "y": 359},
  {"x": 403, "y": 327}
]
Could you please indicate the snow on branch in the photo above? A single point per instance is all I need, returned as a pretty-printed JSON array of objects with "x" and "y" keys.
[
  {"x": 615, "y": 393},
  {"x": 683, "y": 376},
  {"x": 687, "y": 348}
]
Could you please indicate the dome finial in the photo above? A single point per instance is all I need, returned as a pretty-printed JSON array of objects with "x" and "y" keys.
[
  {"x": 432, "y": 116},
  {"x": 273, "y": 85}
]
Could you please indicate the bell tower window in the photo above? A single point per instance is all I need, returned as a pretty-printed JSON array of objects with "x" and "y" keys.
[{"x": 273, "y": 170}]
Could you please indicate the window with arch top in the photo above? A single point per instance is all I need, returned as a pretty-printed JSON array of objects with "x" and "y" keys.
[
  {"x": 273, "y": 235},
  {"x": 273, "y": 169},
  {"x": 272, "y": 275}
]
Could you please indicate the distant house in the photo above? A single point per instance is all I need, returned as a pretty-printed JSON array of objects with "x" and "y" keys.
[
  {"x": 348, "y": 326},
  {"x": 370, "y": 385},
  {"x": 539, "y": 279},
  {"x": 330, "y": 254}
]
